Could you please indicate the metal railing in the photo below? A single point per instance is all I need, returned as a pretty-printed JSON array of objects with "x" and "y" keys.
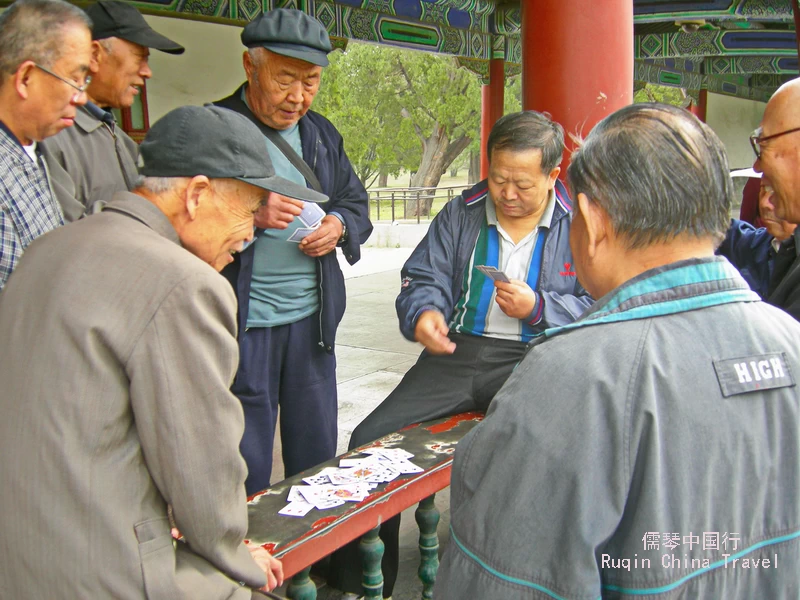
[{"x": 411, "y": 203}]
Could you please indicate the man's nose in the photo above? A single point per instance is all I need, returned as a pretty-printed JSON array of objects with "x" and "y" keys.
[
  {"x": 144, "y": 70},
  {"x": 757, "y": 166},
  {"x": 296, "y": 92}
]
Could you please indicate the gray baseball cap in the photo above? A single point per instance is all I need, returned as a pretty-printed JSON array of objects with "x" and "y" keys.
[
  {"x": 289, "y": 32},
  {"x": 218, "y": 143}
]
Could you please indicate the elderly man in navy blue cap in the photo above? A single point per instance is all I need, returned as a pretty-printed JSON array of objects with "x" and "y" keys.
[{"x": 288, "y": 282}]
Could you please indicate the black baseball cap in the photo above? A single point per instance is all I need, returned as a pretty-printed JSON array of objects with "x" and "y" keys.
[
  {"x": 112, "y": 18},
  {"x": 289, "y": 32},
  {"x": 218, "y": 143}
]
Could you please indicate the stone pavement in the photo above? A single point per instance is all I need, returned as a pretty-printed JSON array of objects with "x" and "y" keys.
[{"x": 372, "y": 357}]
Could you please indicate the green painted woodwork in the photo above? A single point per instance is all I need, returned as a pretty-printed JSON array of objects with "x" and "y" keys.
[
  {"x": 427, "y": 517},
  {"x": 734, "y": 40},
  {"x": 301, "y": 587},
  {"x": 371, "y": 550},
  {"x": 393, "y": 31}
]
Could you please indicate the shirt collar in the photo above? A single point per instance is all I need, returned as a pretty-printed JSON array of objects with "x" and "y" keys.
[
  {"x": 544, "y": 221},
  {"x": 146, "y": 212},
  {"x": 91, "y": 116},
  {"x": 10, "y": 134}
]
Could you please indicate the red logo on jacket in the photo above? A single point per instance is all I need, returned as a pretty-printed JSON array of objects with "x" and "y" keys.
[{"x": 567, "y": 272}]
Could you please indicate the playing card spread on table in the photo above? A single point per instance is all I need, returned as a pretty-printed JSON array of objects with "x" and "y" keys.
[
  {"x": 493, "y": 273},
  {"x": 312, "y": 214},
  {"x": 300, "y": 233},
  {"x": 350, "y": 482},
  {"x": 297, "y": 508}
]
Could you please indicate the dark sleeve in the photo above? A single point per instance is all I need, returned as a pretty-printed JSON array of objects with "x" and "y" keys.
[
  {"x": 349, "y": 199},
  {"x": 427, "y": 276},
  {"x": 747, "y": 249}
]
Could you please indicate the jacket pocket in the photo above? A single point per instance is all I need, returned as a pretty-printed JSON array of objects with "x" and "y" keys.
[{"x": 157, "y": 557}]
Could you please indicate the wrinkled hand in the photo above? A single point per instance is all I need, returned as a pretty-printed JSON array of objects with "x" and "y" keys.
[
  {"x": 515, "y": 298},
  {"x": 278, "y": 212},
  {"x": 431, "y": 331},
  {"x": 269, "y": 564},
  {"x": 324, "y": 239}
]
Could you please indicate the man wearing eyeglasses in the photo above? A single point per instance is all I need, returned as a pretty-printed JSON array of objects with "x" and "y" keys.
[
  {"x": 45, "y": 48},
  {"x": 777, "y": 147},
  {"x": 95, "y": 159}
]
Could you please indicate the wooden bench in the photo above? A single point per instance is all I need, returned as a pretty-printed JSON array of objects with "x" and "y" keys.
[{"x": 300, "y": 542}]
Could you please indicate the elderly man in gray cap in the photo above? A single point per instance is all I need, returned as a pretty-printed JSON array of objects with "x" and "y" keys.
[
  {"x": 95, "y": 159},
  {"x": 117, "y": 350},
  {"x": 292, "y": 296}
]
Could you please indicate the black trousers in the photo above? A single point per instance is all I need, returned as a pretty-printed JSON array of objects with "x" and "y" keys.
[{"x": 435, "y": 387}]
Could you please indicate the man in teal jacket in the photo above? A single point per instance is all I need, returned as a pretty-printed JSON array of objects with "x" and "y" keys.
[{"x": 650, "y": 448}]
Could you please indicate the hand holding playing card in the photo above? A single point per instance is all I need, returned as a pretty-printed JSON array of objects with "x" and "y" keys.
[
  {"x": 271, "y": 566},
  {"x": 278, "y": 212},
  {"x": 431, "y": 331},
  {"x": 324, "y": 239},
  {"x": 515, "y": 298}
]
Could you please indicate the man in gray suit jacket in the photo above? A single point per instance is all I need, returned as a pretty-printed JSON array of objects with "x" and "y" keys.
[{"x": 117, "y": 351}]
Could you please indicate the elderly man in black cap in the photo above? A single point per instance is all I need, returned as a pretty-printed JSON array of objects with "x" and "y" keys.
[
  {"x": 95, "y": 159},
  {"x": 291, "y": 295},
  {"x": 117, "y": 350}
]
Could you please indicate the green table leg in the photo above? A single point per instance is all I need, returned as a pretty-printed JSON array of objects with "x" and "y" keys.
[
  {"x": 301, "y": 587},
  {"x": 427, "y": 516},
  {"x": 371, "y": 549}
]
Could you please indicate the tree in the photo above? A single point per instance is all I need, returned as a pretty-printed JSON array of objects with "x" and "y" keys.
[
  {"x": 358, "y": 94},
  {"x": 662, "y": 93},
  {"x": 400, "y": 110}
]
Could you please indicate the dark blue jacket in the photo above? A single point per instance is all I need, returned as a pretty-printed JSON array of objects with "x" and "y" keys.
[
  {"x": 323, "y": 150},
  {"x": 749, "y": 249},
  {"x": 432, "y": 276}
]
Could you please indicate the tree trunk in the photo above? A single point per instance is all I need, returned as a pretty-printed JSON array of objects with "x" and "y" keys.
[
  {"x": 438, "y": 152},
  {"x": 474, "y": 175},
  {"x": 383, "y": 180}
]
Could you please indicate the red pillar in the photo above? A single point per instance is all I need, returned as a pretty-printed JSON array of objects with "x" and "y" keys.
[
  {"x": 492, "y": 99},
  {"x": 577, "y": 60},
  {"x": 699, "y": 109},
  {"x": 796, "y": 11}
]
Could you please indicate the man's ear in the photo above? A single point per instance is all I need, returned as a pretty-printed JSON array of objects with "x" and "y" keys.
[
  {"x": 98, "y": 56},
  {"x": 22, "y": 78},
  {"x": 597, "y": 223},
  {"x": 247, "y": 63},
  {"x": 196, "y": 191},
  {"x": 551, "y": 178}
]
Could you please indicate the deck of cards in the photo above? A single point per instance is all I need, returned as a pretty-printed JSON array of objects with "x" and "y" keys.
[
  {"x": 352, "y": 481},
  {"x": 493, "y": 273},
  {"x": 311, "y": 217}
]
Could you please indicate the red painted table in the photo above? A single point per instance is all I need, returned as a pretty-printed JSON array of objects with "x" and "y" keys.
[{"x": 300, "y": 542}]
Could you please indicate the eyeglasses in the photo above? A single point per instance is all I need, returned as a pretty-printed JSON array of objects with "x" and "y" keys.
[
  {"x": 80, "y": 89},
  {"x": 756, "y": 140}
]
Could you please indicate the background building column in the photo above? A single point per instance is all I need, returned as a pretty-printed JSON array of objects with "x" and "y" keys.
[
  {"x": 577, "y": 60},
  {"x": 492, "y": 99}
]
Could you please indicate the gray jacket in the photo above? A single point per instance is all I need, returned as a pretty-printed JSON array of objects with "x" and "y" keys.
[
  {"x": 118, "y": 350},
  {"x": 89, "y": 163},
  {"x": 668, "y": 413}
]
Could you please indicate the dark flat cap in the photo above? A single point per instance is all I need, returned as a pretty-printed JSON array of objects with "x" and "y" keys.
[
  {"x": 112, "y": 18},
  {"x": 291, "y": 33},
  {"x": 218, "y": 143}
]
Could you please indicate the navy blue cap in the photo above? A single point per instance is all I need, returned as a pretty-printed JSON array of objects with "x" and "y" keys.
[{"x": 291, "y": 33}]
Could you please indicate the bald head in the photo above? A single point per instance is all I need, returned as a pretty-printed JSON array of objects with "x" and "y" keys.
[{"x": 780, "y": 150}]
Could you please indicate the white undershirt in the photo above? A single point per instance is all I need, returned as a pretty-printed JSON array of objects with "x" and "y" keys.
[{"x": 31, "y": 151}]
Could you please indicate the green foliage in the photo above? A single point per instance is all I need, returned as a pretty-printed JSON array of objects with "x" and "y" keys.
[
  {"x": 385, "y": 101},
  {"x": 661, "y": 93}
]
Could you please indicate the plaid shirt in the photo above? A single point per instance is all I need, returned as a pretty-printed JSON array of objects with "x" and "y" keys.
[{"x": 28, "y": 207}]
